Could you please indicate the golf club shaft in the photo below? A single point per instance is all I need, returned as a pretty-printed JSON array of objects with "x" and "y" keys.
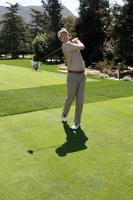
[
  {"x": 52, "y": 53},
  {"x": 46, "y": 147},
  {"x": 57, "y": 50},
  {"x": 39, "y": 149}
]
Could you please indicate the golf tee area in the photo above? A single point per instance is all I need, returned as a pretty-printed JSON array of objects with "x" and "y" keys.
[{"x": 42, "y": 158}]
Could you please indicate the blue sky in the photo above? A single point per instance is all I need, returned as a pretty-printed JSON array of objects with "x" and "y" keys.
[{"x": 70, "y": 4}]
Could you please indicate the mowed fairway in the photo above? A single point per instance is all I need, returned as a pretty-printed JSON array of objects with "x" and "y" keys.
[{"x": 64, "y": 166}]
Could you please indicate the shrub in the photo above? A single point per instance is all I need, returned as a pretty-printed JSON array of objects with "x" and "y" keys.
[
  {"x": 103, "y": 66},
  {"x": 127, "y": 78}
]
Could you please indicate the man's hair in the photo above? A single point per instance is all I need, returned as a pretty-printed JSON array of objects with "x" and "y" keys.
[{"x": 63, "y": 30}]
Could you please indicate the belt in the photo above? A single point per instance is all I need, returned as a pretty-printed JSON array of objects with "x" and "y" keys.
[{"x": 76, "y": 72}]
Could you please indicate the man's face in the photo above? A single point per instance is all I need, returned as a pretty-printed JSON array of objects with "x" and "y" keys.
[{"x": 64, "y": 37}]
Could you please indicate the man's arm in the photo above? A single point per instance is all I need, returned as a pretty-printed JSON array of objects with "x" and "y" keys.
[
  {"x": 78, "y": 42},
  {"x": 75, "y": 45}
]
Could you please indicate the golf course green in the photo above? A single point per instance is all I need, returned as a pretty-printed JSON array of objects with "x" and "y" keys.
[{"x": 42, "y": 159}]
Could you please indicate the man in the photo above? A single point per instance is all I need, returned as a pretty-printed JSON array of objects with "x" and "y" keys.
[{"x": 75, "y": 78}]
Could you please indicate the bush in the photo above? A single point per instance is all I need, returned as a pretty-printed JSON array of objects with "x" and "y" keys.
[
  {"x": 127, "y": 78},
  {"x": 101, "y": 75},
  {"x": 103, "y": 66},
  {"x": 40, "y": 46}
]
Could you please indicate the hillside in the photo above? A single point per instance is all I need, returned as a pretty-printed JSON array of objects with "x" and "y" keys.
[{"x": 25, "y": 12}]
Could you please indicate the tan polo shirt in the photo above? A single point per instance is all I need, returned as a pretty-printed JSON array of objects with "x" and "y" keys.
[{"x": 73, "y": 56}]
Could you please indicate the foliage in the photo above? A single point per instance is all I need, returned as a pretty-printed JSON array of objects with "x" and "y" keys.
[
  {"x": 103, "y": 66},
  {"x": 116, "y": 28},
  {"x": 127, "y": 78},
  {"x": 44, "y": 45},
  {"x": 126, "y": 35},
  {"x": 40, "y": 22},
  {"x": 121, "y": 32},
  {"x": 69, "y": 22},
  {"x": 41, "y": 46},
  {"x": 90, "y": 28},
  {"x": 53, "y": 8},
  {"x": 107, "y": 32}
]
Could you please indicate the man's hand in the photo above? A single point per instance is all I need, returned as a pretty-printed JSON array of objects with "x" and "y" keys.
[{"x": 75, "y": 40}]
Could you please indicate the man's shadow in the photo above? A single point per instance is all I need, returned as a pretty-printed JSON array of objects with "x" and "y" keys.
[{"x": 75, "y": 141}]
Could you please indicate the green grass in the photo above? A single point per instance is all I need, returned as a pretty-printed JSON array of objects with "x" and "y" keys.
[
  {"x": 18, "y": 78},
  {"x": 100, "y": 169},
  {"x": 46, "y": 90},
  {"x": 26, "y": 63}
]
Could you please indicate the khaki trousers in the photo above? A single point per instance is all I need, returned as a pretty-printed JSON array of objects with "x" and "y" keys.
[{"x": 75, "y": 90}]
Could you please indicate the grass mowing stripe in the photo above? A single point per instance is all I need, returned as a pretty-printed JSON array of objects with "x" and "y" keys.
[
  {"x": 52, "y": 96},
  {"x": 26, "y": 63},
  {"x": 17, "y": 78}
]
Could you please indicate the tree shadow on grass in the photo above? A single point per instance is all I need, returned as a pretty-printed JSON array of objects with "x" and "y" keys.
[{"x": 75, "y": 141}]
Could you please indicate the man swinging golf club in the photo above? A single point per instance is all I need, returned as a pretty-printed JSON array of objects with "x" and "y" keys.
[{"x": 75, "y": 78}]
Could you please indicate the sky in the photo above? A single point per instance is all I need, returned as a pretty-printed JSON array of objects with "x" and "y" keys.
[{"x": 72, "y": 5}]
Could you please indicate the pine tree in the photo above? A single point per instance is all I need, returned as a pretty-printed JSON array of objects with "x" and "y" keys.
[
  {"x": 53, "y": 8},
  {"x": 39, "y": 23},
  {"x": 14, "y": 32}
]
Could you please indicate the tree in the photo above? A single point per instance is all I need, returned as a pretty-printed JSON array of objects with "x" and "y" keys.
[
  {"x": 14, "y": 32},
  {"x": 104, "y": 11},
  {"x": 69, "y": 22},
  {"x": 116, "y": 28},
  {"x": 90, "y": 28},
  {"x": 40, "y": 45},
  {"x": 122, "y": 32},
  {"x": 40, "y": 22},
  {"x": 126, "y": 34},
  {"x": 53, "y": 8},
  {"x": 3, "y": 45}
]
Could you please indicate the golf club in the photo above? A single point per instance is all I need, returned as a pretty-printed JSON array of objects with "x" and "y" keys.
[
  {"x": 73, "y": 40},
  {"x": 52, "y": 53},
  {"x": 31, "y": 151}
]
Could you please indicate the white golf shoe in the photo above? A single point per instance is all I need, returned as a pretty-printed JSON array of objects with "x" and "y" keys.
[{"x": 75, "y": 126}]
